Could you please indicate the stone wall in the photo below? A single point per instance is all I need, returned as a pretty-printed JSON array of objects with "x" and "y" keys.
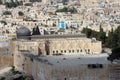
[
  {"x": 82, "y": 72},
  {"x": 6, "y": 58},
  {"x": 50, "y": 46},
  {"x": 75, "y": 46},
  {"x": 6, "y": 61},
  {"x": 41, "y": 70}
]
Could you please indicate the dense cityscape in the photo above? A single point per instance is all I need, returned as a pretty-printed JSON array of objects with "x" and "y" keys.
[{"x": 60, "y": 40}]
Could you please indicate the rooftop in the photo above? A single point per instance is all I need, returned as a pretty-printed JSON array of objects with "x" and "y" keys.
[
  {"x": 75, "y": 60},
  {"x": 54, "y": 36}
]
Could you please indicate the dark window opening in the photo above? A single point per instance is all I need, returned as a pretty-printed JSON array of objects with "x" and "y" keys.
[
  {"x": 94, "y": 66},
  {"x": 69, "y": 51},
  {"x": 88, "y": 50},
  {"x": 56, "y": 51},
  {"x": 65, "y": 79},
  {"x": 85, "y": 50},
  {"x": 80, "y": 50},
  {"x": 64, "y": 51},
  {"x": 31, "y": 59},
  {"x": 72, "y": 50}
]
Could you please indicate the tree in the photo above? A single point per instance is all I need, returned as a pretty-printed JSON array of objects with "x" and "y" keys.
[
  {"x": 36, "y": 31},
  {"x": 65, "y": 9},
  {"x": 7, "y": 13},
  {"x": 102, "y": 35},
  {"x": 54, "y": 24},
  {"x": 35, "y": 0},
  {"x": 117, "y": 32},
  {"x": 20, "y": 13},
  {"x": 73, "y": 10},
  {"x": 115, "y": 54},
  {"x": 1, "y": 2},
  {"x": 4, "y": 22},
  {"x": 12, "y": 4},
  {"x": 88, "y": 32},
  {"x": 113, "y": 39}
]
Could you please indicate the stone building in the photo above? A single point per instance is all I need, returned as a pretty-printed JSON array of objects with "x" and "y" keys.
[
  {"x": 59, "y": 44},
  {"x": 56, "y": 44},
  {"x": 58, "y": 57},
  {"x": 61, "y": 57},
  {"x": 65, "y": 67}
]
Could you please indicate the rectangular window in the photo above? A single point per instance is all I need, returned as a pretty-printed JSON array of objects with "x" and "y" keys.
[
  {"x": 72, "y": 50},
  {"x": 64, "y": 51},
  {"x": 69, "y": 51}
]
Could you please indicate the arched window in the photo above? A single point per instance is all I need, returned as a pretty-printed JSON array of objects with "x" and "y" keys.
[
  {"x": 53, "y": 51},
  {"x": 72, "y": 50},
  {"x": 81, "y": 50},
  {"x": 69, "y": 51},
  {"x": 88, "y": 50},
  {"x": 64, "y": 51}
]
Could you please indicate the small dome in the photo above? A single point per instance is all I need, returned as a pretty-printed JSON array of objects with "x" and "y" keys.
[{"x": 23, "y": 31}]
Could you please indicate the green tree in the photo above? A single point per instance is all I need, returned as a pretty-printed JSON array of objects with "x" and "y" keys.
[
  {"x": 65, "y": 9},
  {"x": 1, "y": 2},
  {"x": 3, "y": 78},
  {"x": 12, "y": 4},
  {"x": 35, "y": 0},
  {"x": 88, "y": 32},
  {"x": 113, "y": 39},
  {"x": 102, "y": 35},
  {"x": 73, "y": 10},
  {"x": 36, "y": 31},
  {"x": 4, "y": 22},
  {"x": 115, "y": 54},
  {"x": 20, "y": 13},
  {"x": 7, "y": 13}
]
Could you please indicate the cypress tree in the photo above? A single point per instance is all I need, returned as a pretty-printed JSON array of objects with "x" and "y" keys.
[{"x": 36, "y": 31}]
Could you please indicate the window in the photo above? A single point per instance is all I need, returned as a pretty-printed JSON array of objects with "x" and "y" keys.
[
  {"x": 80, "y": 50},
  {"x": 61, "y": 51},
  {"x": 31, "y": 59},
  {"x": 94, "y": 66},
  {"x": 77, "y": 50},
  {"x": 53, "y": 51},
  {"x": 56, "y": 51},
  {"x": 64, "y": 51},
  {"x": 72, "y": 50},
  {"x": 25, "y": 58},
  {"x": 65, "y": 79},
  {"x": 88, "y": 50},
  {"x": 69, "y": 51}
]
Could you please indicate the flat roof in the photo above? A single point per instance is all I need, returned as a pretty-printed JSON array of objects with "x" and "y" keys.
[
  {"x": 52, "y": 36},
  {"x": 75, "y": 60}
]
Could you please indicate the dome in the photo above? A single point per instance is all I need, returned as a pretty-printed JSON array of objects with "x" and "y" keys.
[{"x": 23, "y": 31}]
